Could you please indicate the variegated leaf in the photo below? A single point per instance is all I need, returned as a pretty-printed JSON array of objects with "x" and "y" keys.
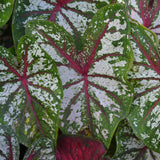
[
  {"x": 6, "y": 7},
  {"x": 96, "y": 91},
  {"x": 9, "y": 146},
  {"x": 146, "y": 12},
  {"x": 42, "y": 149},
  {"x": 73, "y": 15},
  {"x": 30, "y": 92},
  {"x": 129, "y": 147},
  {"x": 145, "y": 76}
]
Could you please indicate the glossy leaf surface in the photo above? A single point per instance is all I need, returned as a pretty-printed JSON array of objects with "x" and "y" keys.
[
  {"x": 146, "y": 12},
  {"x": 9, "y": 146},
  {"x": 96, "y": 92},
  {"x": 73, "y": 15},
  {"x": 145, "y": 76},
  {"x": 76, "y": 147},
  {"x": 129, "y": 147},
  {"x": 6, "y": 7},
  {"x": 42, "y": 149},
  {"x": 30, "y": 92}
]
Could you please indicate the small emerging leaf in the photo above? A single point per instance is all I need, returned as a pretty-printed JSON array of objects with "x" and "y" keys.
[
  {"x": 9, "y": 146},
  {"x": 6, "y": 7},
  {"x": 30, "y": 92},
  {"x": 78, "y": 148}
]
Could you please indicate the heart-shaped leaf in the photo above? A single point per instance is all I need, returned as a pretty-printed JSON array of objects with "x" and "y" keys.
[
  {"x": 9, "y": 146},
  {"x": 76, "y": 147},
  {"x": 30, "y": 92},
  {"x": 6, "y": 7},
  {"x": 146, "y": 12},
  {"x": 42, "y": 149},
  {"x": 129, "y": 147},
  {"x": 73, "y": 15},
  {"x": 96, "y": 91},
  {"x": 145, "y": 76}
]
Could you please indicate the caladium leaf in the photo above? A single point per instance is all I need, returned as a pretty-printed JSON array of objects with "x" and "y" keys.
[
  {"x": 73, "y": 15},
  {"x": 96, "y": 92},
  {"x": 6, "y": 7},
  {"x": 145, "y": 76},
  {"x": 146, "y": 12},
  {"x": 76, "y": 147},
  {"x": 9, "y": 146},
  {"x": 42, "y": 149},
  {"x": 30, "y": 92},
  {"x": 130, "y": 147}
]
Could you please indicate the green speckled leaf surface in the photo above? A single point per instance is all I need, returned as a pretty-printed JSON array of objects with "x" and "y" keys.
[
  {"x": 145, "y": 77},
  {"x": 41, "y": 149},
  {"x": 6, "y": 7},
  {"x": 129, "y": 147},
  {"x": 96, "y": 91},
  {"x": 30, "y": 92},
  {"x": 9, "y": 146},
  {"x": 73, "y": 15}
]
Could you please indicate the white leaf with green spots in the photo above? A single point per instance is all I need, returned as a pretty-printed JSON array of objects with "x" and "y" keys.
[
  {"x": 41, "y": 149},
  {"x": 145, "y": 77},
  {"x": 73, "y": 15},
  {"x": 96, "y": 91},
  {"x": 30, "y": 92},
  {"x": 129, "y": 147},
  {"x": 6, "y": 7},
  {"x": 9, "y": 146}
]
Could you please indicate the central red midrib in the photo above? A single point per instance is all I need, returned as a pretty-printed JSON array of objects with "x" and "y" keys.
[
  {"x": 58, "y": 6},
  {"x": 91, "y": 58},
  {"x": 10, "y": 147},
  {"x": 62, "y": 52},
  {"x": 54, "y": 12},
  {"x": 23, "y": 78},
  {"x": 88, "y": 105},
  {"x": 148, "y": 20},
  {"x": 63, "y": 2}
]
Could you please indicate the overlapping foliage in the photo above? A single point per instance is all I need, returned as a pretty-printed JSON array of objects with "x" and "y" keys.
[{"x": 106, "y": 64}]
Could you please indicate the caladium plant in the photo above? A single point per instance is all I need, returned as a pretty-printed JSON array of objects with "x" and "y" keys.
[
  {"x": 6, "y": 7},
  {"x": 130, "y": 147},
  {"x": 73, "y": 15},
  {"x": 146, "y": 13},
  {"x": 41, "y": 149},
  {"x": 30, "y": 92},
  {"x": 96, "y": 91},
  {"x": 93, "y": 58},
  {"x": 145, "y": 76}
]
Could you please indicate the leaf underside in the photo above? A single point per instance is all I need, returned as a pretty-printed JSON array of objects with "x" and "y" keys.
[
  {"x": 96, "y": 92},
  {"x": 30, "y": 92},
  {"x": 145, "y": 77}
]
